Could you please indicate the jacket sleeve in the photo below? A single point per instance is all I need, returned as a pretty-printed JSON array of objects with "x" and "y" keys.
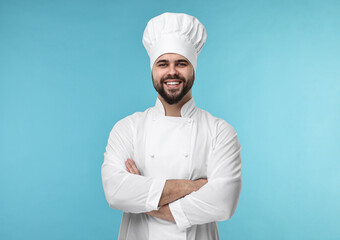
[
  {"x": 124, "y": 191},
  {"x": 216, "y": 200}
]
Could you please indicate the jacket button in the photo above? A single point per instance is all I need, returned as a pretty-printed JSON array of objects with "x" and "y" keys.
[
  {"x": 152, "y": 156},
  {"x": 189, "y": 121},
  {"x": 186, "y": 155}
]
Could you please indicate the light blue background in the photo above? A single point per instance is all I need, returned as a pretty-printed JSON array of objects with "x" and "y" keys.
[{"x": 70, "y": 69}]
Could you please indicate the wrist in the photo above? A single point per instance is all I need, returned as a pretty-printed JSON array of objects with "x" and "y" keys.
[{"x": 190, "y": 186}]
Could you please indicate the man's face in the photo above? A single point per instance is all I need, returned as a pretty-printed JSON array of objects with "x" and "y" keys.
[{"x": 173, "y": 77}]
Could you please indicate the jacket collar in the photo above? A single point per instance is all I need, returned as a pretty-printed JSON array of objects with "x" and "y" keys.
[{"x": 187, "y": 111}]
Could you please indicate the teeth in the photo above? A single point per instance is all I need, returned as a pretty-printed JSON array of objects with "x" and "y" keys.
[{"x": 172, "y": 83}]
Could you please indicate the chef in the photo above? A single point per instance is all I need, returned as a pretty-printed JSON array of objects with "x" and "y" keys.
[{"x": 174, "y": 169}]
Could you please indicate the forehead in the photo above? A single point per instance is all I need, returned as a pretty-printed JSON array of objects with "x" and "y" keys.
[{"x": 171, "y": 57}]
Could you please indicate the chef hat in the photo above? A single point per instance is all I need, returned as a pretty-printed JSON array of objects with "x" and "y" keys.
[{"x": 174, "y": 33}]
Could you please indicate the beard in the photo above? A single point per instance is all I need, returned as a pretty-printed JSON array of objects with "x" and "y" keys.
[{"x": 174, "y": 95}]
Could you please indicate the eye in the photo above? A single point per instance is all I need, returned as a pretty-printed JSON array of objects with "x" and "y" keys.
[
  {"x": 162, "y": 65},
  {"x": 181, "y": 64}
]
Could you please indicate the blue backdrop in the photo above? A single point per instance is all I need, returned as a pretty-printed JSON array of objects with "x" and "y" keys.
[{"x": 69, "y": 70}]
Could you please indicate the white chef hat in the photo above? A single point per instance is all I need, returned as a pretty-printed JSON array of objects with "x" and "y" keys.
[{"x": 174, "y": 33}]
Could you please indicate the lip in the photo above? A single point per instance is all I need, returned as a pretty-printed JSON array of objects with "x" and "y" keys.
[
  {"x": 173, "y": 80},
  {"x": 172, "y": 86}
]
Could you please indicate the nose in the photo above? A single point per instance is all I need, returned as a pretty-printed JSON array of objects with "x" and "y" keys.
[{"x": 172, "y": 69}]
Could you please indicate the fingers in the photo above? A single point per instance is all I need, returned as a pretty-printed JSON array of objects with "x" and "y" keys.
[
  {"x": 128, "y": 166},
  {"x": 131, "y": 167},
  {"x": 134, "y": 167}
]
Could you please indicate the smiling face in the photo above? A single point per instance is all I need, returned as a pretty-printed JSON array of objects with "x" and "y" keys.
[{"x": 173, "y": 77}]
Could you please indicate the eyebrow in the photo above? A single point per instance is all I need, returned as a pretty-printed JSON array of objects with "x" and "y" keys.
[{"x": 166, "y": 61}]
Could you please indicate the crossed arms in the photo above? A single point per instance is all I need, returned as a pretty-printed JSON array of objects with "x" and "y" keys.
[
  {"x": 174, "y": 200},
  {"x": 173, "y": 190}
]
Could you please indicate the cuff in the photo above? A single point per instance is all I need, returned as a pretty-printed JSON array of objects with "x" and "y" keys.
[
  {"x": 154, "y": 195},
  {"x": 182, "y": 221}
]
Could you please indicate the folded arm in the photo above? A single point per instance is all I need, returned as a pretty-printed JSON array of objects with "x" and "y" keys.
[
  {"x": 132, "y": 192},
  {"x": 214, "y": 201},
  {"x": 124, "y": 191},
  {"x": 217, "y": 200}
]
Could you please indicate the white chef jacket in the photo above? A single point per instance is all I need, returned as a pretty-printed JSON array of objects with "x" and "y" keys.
[{"x": 195, "y": 145}]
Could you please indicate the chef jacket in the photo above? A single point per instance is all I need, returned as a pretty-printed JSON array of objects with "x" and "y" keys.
[{"x": 195, "y": 145}]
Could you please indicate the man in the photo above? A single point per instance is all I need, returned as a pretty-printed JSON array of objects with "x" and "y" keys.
[{"x": 174, "y": 170}]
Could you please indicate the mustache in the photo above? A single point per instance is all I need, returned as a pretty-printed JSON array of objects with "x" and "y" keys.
[{"x": 172, "y": 77}]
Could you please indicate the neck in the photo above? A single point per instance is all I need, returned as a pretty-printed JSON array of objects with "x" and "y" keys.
[{"x": 174, "y": 110}]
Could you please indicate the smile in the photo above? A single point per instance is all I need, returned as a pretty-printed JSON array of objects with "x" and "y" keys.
[{"x": 172, "y": 84}]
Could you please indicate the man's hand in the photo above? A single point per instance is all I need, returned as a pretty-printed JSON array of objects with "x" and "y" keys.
[
  {"x": 131, "y": 167},
  {"x": 163, "y": 213}
]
